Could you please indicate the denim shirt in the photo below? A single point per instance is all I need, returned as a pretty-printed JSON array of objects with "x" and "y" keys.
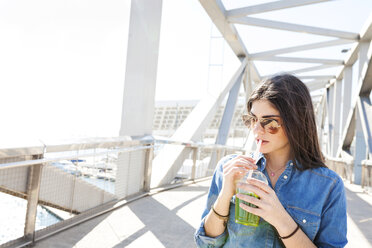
[{"x": 315, "y": 199}]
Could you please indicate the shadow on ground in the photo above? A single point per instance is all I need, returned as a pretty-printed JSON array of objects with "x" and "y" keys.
[
  {"x": 170, "y": 229},
  {"x": 360, "y": 212}
]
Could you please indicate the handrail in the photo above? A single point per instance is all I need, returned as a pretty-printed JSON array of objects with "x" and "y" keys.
[
  {"x": 87, "y": 144},
  {"x": 74, "y": 156},
  {"x": 367, "y": 162}
]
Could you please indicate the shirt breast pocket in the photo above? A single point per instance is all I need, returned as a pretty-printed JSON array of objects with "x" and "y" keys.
[{"x": 308, "y": 221}]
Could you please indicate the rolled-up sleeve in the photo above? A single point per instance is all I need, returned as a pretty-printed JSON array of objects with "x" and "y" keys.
[
  {"x": 204, "y": 241},
  {"x": 201, "y": 239},
  {"x": 333, "y": 226}
]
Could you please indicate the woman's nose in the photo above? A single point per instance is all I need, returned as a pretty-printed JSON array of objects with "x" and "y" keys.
[{"x": 257, "y": 128}]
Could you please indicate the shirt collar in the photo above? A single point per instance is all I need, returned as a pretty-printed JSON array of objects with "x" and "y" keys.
[{"x": 261, "y": 163}]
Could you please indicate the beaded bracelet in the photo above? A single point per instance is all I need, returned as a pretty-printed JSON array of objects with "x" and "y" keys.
[{"x": 290, "y": 235}]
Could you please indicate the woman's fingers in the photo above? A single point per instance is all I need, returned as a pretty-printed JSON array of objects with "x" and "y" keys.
[
  {"x": 246, "y": 159},
  {"x": 252, "y": 188},
  {"x": 250, "y": 199},
  {"x": 253, "y": 210},
  {"x": 236, "y": 170},
  {"x": 241, "y": 163},
  {"x": 261, "y": 185}
]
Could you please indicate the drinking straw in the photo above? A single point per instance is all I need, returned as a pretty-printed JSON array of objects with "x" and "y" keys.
[{"x": 257, "y": 152}]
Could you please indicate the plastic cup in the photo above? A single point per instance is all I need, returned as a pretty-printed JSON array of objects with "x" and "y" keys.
[{"x": 242, "y": 216}]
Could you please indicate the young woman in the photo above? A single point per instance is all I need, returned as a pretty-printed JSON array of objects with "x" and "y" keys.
[{"x": 304, "y": 204}]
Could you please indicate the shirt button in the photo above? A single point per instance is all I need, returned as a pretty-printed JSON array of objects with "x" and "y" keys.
[
  {"x": 304, "y": 221},
  {"x": 285, "y": 176}
]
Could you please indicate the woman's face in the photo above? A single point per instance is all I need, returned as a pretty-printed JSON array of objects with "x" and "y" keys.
[{"x": 271, "y": 143}]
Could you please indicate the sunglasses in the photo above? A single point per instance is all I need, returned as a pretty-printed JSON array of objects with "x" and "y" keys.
[{"x": 270, "y": 125}]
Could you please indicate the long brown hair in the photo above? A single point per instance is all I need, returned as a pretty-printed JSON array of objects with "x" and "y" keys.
[{"x": 292, "y": 99}]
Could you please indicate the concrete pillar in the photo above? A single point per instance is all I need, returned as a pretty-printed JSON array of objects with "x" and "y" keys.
[
  {"x": 141, "y": 68},
  {"x": 139, "y": 93}
]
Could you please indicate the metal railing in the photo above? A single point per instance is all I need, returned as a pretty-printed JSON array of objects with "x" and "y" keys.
[
  {"x": 367, "y": 175},
  {"x": 345, "y": 168},
  {"x": 56, "y": 186}
]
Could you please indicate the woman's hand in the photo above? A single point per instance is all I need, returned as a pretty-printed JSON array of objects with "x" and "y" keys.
[
  {"x": 233, "y": 170},
  {"x": 269, "y": 206}
]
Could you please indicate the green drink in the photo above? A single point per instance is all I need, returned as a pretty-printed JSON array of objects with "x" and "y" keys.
[{"x": 242, "y": 216}]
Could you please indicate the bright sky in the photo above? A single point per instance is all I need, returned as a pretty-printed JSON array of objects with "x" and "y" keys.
[{"x": 62, "y": 63}]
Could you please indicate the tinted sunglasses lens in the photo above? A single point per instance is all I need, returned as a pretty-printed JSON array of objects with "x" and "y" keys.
[{"x": 270, "y": 126}]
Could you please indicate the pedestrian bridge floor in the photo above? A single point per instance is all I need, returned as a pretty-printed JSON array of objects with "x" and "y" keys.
[{"x": 169, "y": 219}]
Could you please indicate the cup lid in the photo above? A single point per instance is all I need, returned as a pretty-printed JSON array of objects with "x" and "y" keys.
[{"x": 258, "y": 175}]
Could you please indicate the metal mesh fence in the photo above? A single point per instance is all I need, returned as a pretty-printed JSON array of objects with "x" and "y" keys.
[
  {"x": 77, "y": 182},
  {"x": 12, "y": 217},
  {"x": 13, "y": 187}
]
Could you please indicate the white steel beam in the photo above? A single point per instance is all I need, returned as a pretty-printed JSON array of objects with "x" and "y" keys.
[
  {"x": 336, "y": 117},
  {"x": 216, "y": 12},
  {"x": 266, "y": 7},
  {"x": 364, "y": 89},
  {"x": 317, "y": 77},
  {"x": 319, "y": 113},
  {"x": 349, "y": 125},
  {"x": 313, "y": 68},
  {"x": 325, "y": 113},
  {"x": 300, "y": 48},
  {"x": 170, "y": 159},
  {"x": 330, "y": 108},
  {"x": 346, "y": 92},
  {"x": 366, "y": 32},
  {"x": 348, "y": 132},
  {"x": 302, "y": 60},
  {"x": 360, "y": 145},
  {"x": 306, "y": 69},
  {"x": 293, "y": 27},
  {"x": 365, "y": 52},
  {"x": 223, "y": 131},
  {"x": 365, "y": 116},
  {"x": 365, "y": 35},
  {"x": 247, "y": 82},
  {"x": 316, "y": 84}
]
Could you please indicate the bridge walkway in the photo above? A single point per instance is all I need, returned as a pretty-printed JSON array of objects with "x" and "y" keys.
[{"x": 169, "y": 219}]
